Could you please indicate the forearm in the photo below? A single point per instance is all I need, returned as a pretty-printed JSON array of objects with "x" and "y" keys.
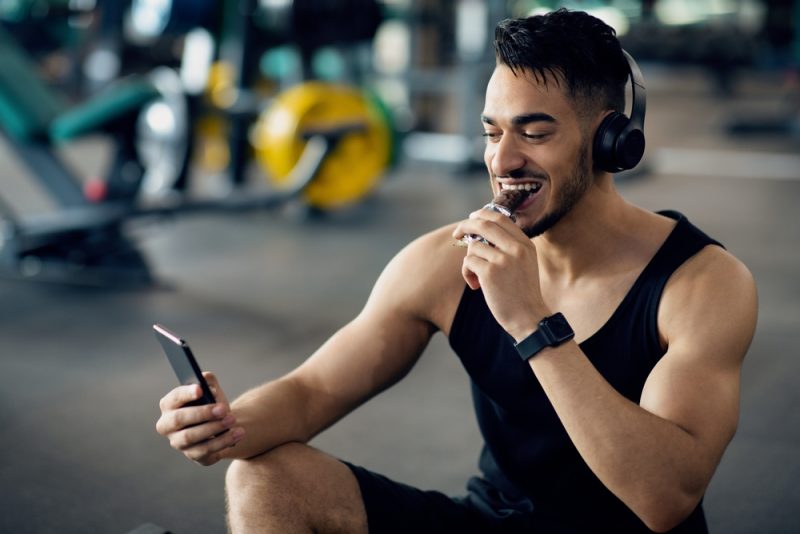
[
  {"x": 271, "y": 414},
  {"x": 650, "y": 463}
]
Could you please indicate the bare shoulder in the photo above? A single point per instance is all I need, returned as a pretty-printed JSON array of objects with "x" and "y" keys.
[
  {"x": 424, "y": 279},
  {"x": 716, "y": 263},
  {"x": 711, "y": 298}
]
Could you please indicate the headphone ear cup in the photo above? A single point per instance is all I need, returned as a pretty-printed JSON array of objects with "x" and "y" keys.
[
  {"x": 606, "y": 138},
  {"x": 619, "y": 141},
  {"x": 630, "y": 148}
]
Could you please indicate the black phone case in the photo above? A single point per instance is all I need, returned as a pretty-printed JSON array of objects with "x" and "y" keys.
[{"x": 183, "y": 363}]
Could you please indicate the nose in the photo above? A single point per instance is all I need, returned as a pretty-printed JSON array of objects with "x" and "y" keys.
[{"x": 503, "y": 157}]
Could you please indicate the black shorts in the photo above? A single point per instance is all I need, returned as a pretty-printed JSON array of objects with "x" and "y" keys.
[{"x": 393, "y": 507}]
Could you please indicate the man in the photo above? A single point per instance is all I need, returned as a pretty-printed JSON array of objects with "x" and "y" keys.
[{"x": 617, "y": 429}]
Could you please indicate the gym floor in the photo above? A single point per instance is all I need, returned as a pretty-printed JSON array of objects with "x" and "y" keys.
[{"x": 81, "y": 375}]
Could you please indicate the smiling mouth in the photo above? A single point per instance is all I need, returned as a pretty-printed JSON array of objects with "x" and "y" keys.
[
  {"x": 527, "y": 190},
  {"x": 528, "y": 187}
]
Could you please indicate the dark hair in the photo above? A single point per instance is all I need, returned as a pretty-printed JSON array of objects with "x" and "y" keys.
[{"x": 580, "y": 48}]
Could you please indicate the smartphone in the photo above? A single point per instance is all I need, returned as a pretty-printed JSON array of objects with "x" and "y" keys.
[{"x": 183, "y": 363}]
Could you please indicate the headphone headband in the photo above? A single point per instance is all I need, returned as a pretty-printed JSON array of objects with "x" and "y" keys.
[
  {"x": 619, "y": 140},
  {"x": 638, "y": 93}
]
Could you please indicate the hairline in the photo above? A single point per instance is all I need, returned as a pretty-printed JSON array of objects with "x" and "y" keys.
[{"x": 586, "y": 106}]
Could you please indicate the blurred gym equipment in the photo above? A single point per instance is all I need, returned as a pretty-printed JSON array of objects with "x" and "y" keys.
[
  {"x": 323, "y": 142},
  {"x": 241, "y": 114},
  {"x": 782, "y": 35},
  {"x": 348, "y": 174},
  {"x": 81, "y": 233}
]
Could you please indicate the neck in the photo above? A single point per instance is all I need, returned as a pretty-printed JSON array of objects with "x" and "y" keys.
[{"x": 591, "y": 235}]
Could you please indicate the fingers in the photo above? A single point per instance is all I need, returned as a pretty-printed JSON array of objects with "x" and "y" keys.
[
  {"x": 201, "y": 433},
  {"x": 475, "y": 268},
  {"x": 470, "y": 277},
  {"x": 478, "y": 253},
  {"x": 494, "y": 227},
  {"x": 509, "y": 248},
  {"x": 189, "y": 437},
  {"x": 180, "y": 396},
  {"x": 211, "y": 451},
  {"x": 180, "y": 418},
  {"x": 204, "y": 443},
  {"x": 175, "y": 413}
]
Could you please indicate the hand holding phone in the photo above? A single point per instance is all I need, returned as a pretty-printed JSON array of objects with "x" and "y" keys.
[
  {"x": 202, "y": 433},
  {"x": 183, "y": 363}
]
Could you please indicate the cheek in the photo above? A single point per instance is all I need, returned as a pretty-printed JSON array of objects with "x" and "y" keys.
[{"x": 561, "y": 163}]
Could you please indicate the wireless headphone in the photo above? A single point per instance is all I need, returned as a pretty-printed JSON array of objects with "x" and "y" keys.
[{"x": 619, "y": 141}]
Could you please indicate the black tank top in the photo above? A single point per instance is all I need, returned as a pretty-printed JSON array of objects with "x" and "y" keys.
[{"x": 527, "y": 453}]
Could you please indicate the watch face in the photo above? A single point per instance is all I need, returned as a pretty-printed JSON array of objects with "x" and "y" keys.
[{"x": 559, "y": 326}]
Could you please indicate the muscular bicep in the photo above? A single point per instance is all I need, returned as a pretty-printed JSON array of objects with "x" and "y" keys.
[{"x": 707, "y": 318}]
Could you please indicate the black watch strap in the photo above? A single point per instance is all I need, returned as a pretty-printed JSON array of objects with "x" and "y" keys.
[{"x": 552, "y": 331}]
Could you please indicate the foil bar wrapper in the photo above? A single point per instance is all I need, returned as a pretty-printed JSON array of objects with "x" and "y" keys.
[{"x": 505, "y": 202}]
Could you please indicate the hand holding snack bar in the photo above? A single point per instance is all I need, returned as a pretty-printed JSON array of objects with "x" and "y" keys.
[{"x": 505, "y": 202}]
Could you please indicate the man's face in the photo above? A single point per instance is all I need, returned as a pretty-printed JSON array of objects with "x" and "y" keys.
[{"x": 534, "y": 141}]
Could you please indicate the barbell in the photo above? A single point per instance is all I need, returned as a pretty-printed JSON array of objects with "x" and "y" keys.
[{"x": 355, "y": 165}]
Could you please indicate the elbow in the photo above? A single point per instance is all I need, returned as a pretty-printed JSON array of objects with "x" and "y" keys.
[
  {"x": 664, "y": 514},
  {"x": 664, "y": 523}
]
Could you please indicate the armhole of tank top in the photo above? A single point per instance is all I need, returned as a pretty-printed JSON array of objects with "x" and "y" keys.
[{"x": 688, "y": 236}]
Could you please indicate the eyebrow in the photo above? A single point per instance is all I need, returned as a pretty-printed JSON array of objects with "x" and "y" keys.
[{"x": 520, "y": 120}]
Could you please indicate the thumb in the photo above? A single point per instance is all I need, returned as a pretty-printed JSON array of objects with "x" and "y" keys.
[{"x": 216, "y": 389}]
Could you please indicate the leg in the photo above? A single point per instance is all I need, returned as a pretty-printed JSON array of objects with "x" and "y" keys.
[{"x": 294, "y": 488}]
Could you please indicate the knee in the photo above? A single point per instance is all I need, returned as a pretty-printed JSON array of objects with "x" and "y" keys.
[
  {"x": 293, "y": 485},
  {"x": 265, "y": 493},
  {"x": 278, "y": 468}
]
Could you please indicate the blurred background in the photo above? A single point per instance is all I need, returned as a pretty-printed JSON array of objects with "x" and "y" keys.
[{"x": 241, "y": 171}]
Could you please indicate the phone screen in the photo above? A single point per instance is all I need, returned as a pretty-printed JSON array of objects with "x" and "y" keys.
[{"x": 183, "y": 363}]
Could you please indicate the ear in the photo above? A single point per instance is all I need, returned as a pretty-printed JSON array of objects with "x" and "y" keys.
[{"x": 598, "y": 119}]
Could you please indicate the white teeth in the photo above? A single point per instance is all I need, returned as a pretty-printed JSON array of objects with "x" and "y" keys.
[{"x": 522, "y": 187}]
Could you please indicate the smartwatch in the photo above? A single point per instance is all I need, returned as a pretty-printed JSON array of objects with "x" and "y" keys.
[{"x": 552, "y": 332}]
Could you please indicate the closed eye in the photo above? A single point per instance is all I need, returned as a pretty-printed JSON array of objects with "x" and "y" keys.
[{"x": 535, "y": 136}]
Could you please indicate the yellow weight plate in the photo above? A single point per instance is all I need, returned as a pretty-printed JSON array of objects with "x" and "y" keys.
[{"x": 352, "y": 169}]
